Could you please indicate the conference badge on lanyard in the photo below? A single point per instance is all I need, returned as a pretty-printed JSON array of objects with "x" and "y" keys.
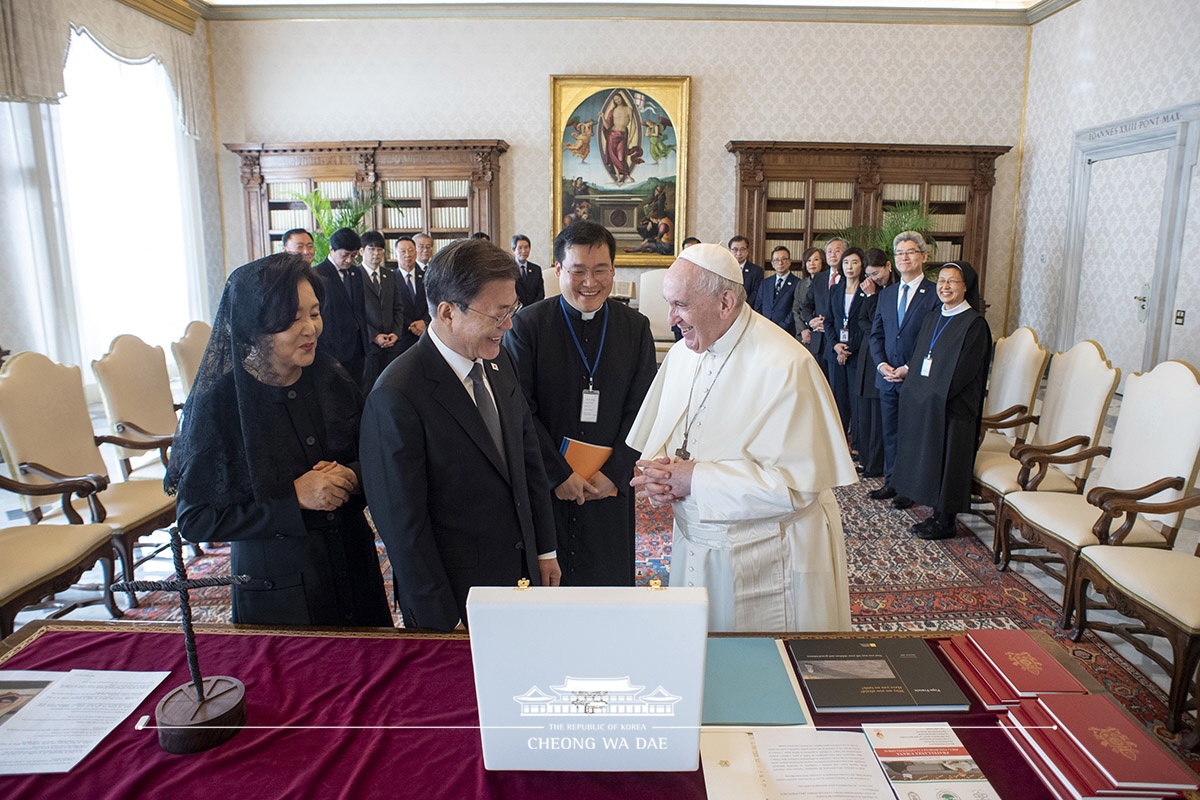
[{"x": 589, "y": 407}]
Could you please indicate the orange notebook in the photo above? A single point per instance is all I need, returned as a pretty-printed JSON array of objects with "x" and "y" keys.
[{"x": 586, "y": 459}]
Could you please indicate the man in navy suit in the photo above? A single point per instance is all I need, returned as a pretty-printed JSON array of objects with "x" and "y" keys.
[
  {"x": 451, "y": 463},
  {"x": 775, "y": 294},
  {"x": 384, "y": 308},
  {"x": 410, "y": 282},
  {"x": 752, "y": 274},
  {"x": 343, "y": 311},
  {"x": 530, "y": 286},
  {"x": 902, "y": 308}
]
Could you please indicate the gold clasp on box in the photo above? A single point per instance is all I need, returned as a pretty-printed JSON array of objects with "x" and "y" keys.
[
  {"x": 656, "y": 585},
  {"x": 522, "y": 585}
]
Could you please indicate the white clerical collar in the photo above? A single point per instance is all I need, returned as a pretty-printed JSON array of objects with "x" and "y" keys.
[
  {"x": 458, "y": 362},
  {"x": 958, "y": 309},
  {"x": 731, "y": 336}
]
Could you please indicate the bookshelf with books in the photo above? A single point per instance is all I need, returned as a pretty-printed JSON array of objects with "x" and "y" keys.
[
  {"x": 801, "y": 193},
  {"x": 448, "y": 188}
]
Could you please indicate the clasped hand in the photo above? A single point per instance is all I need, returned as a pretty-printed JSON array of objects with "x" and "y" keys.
[
  {"x": 663, "y": 480},
  {"x": 325, "y": 487},
  {"x": 579, "y": 490}
]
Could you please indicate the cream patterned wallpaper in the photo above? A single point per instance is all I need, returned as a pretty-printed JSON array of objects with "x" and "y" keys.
[
  {"x": 1094, "y": 62},
  {"x": 402, "y": 79}
]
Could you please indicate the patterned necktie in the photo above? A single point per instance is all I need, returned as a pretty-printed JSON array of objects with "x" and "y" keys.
[
  {"x": 408, "y": 282},
  {"x": 903, "y": 307},
  {"x": 375, "y": 280},
  {"x": 487, "y": 408},
  {"x": 778, "y": 285}
]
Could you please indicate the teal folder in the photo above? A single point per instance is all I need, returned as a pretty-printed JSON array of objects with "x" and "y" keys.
[{"x": 746, "y": 682}]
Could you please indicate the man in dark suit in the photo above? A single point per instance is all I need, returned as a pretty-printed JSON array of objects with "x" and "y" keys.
[
  {"x": 775, "y": 294},
  {"x": 585, "y": 363},
  {"x": 450, "y": 457},
  {"x": 530, "y": 286},
  {"x": 902, "y": 308},
  {"x": 752, "y": 274},
  {"x": 343, "y": 312},
  {"x": 410, "y": 283},
  {"x": 384, "y": 308}
]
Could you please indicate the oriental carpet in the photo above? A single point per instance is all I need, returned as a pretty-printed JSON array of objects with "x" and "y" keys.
[{"x": 897, "y": 583}]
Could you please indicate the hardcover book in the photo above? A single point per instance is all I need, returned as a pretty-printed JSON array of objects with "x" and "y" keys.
[
  {"x": 1023, "y": 663},
  {"x": 864, "y": 675},
  {"x": 1128, "y": 756}
]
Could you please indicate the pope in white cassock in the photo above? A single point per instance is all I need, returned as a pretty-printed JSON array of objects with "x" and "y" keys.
[{"x": 740, "y": 433}]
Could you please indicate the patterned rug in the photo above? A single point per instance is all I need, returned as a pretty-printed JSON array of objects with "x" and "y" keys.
[{"x": 897, "y": 583}]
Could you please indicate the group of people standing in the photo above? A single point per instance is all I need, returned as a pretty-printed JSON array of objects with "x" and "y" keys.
[
  {"x": 456, "y": 448},
  {"x": 908, "y": 381}
]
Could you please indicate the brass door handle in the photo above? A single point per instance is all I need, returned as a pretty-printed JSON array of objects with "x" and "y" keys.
[{"x": 1139, "y": 299}]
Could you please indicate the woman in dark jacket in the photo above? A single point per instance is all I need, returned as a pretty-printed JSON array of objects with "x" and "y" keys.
[{"x": 266, "y": 457}]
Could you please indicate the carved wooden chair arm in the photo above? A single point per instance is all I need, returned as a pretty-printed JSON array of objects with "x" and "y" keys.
[
  {"x": 1115, "y": 502},
  {"x": 1016, "y": 422},
  {"x": 65, "y": 486},
  {"x": 1000, "y": 416},
  {"x": 1041, "y": 456},
  {"x": 146, "y": 440}
]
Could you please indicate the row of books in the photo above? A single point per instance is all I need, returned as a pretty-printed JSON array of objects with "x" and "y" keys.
[
  {"x": 285, "y": 191},
  {"x": 448, "y": 189},
  {"x": 402, "y": 190},
  {"x": 794, "y": 246},
  {"x": 949, "y": 222},
  {"x": 831, "y": 219},
  {"x": 787, "y": 190},
  {"x": 284, "y": 219},
  {"x": 786, "y": 219},
  {"x": 409, "y": 218},
  {"x": 947, "y": 251},
  {"x": 911, "y": 192},
  {"x": 450, "y": 217}
]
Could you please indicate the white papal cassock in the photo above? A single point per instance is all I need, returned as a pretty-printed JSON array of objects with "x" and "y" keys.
[{"x": 761, "y": 528}]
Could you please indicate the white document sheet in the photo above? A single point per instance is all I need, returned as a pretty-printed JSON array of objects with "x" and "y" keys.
[
  {"x": 790, "y": 764},
  {"x": 70, "y": 717}
]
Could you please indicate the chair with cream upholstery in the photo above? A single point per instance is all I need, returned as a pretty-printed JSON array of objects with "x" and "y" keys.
[
  {"x": 1152, "y": 461},
  {"x": 1013, "y": 381},
  {"x": 136, "y": 391},
  {"x": 189, "y": 351},
  {"x": 47, "y": 440},
  {"x": 1078, "y": 391},
  {"x": 1161, "y": 590},
  {"x": 550, "y": 282},
  {"x": 654, "y": 308}
]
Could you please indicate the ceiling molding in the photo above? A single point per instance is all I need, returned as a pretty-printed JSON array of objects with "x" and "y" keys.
[
  {"x": 176, "y": 13},
  {"x": 1047, "y": 8},
  {"x": 641, "y": 11}
]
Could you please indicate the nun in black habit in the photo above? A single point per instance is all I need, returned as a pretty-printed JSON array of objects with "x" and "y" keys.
[
  {"x": 942, "y": 402},
  {"x": 266, "y": 457}
]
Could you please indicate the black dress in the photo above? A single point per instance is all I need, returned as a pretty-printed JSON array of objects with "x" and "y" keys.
[
  {"x": 305, "y": 567},
  {"x": 940, "y": 412},
  {"x": 867, "y": 425}
]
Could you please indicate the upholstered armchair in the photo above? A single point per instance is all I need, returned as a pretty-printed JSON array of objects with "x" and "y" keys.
[
  {"x": 1160, "y": 589},
  {"x": 654, "y": 308},
  {"x": 1152, "y": 461},
  {"x": 136, "y": 391},
  {"x": 1017, "y": 367},
  {"x": 1078, "y": 392},
  {"x": 47, "y": 440},
  {"x": 189, "y": 352}
]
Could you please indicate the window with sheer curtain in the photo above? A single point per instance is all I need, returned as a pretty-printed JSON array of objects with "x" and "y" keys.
[{"x": 130, "y": 197}]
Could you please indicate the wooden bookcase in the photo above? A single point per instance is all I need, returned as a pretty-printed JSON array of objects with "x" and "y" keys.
[
  {"x": 448, "y": 189},
  {"x": 798, "y": 193}
]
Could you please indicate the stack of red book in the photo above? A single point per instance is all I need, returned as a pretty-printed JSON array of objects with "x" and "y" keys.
[
  {"x": 1085, "y": 747},
  {"x": 1003, "y": 667}
]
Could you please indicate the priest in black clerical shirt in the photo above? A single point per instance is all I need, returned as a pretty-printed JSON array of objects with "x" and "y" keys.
[{"x": 585, "y": 364}]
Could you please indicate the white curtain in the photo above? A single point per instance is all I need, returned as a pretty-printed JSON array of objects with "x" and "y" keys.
[{"x": 130, "y": 198}]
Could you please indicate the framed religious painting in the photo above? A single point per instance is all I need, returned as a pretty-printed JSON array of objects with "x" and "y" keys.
[{"x": 619, "y": 157}]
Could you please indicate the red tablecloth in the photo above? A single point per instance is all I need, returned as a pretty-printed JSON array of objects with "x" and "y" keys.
[
  {"x": 315, "y": 704},
  {"x": 295, "y": 685}
]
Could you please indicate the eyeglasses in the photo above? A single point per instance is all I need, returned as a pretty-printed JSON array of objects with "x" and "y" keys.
[
  {"x": 500, "y": 320},
  {"x": 909, "y": 253},
  {"x": 600, "y": 273},
  {"x": 948, "y": 281}
]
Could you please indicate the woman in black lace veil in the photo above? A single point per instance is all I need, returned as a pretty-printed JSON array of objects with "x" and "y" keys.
[{"x": 266, "y": 457}]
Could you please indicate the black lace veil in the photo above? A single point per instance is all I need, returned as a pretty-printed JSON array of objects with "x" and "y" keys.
[{"x": 223, "y": 448}]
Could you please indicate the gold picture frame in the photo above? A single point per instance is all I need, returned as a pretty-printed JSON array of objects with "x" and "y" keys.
[{"x": 619, "y": 154}]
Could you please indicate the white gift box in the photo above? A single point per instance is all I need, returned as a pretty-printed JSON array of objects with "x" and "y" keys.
[{"x": 599, "y": 679}]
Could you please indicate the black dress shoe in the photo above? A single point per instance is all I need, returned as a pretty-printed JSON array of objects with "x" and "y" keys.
[
  {"x": 923, "y": 525},
  {"x": 940, "y": 526},
  {"x": 884, "y": 492},
  {"x": 900, "y": 501}
]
